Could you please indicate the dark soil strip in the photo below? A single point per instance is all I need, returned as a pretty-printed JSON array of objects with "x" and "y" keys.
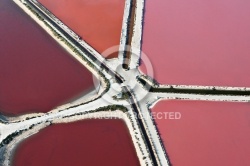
[
  {"x": 127, "y": 54},
  {"x": 135, "y": 108},
  {"x": 213, "y": 91}
]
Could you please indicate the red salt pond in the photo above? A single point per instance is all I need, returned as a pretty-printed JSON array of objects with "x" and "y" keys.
[
  {"x": 99, "y": 23},
  {"x": 89, "y": 142},
  {"x": 199, "y": 42},
  {"x": 207, "y": 133},
  {"x": 36, "y": 74}
]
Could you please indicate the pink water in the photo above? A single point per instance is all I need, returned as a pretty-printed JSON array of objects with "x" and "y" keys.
[
  {"x": 198, "y": 42},
  {"x": 36, "y": 74},
  {"x": 99, "y": 23},
  {"x": 89, "y": 142},
  {"x": 208, "y": 133}
]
